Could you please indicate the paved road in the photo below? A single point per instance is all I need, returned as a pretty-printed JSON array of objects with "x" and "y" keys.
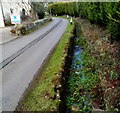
[
  {"x": 12, "y": 47},
  {"x": 20, "y": 71}
]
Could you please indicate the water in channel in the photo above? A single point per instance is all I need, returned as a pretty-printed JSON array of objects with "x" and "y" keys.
[{"x": 77, "y": 98}]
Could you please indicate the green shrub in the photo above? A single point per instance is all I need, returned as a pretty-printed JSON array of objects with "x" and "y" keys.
[
  {"x": 40, "y": 14},
  {"x": 114, "y": 30},
  {"x": 7, "y": 23}
]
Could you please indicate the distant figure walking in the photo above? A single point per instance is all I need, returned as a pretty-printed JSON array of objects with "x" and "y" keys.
[{"x": 71, "y": 21}]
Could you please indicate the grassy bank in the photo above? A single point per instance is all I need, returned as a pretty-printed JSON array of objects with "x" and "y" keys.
[{"x": 42, "y": 94}]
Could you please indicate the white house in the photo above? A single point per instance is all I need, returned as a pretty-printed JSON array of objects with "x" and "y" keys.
[{"x": 8, "y": 8}]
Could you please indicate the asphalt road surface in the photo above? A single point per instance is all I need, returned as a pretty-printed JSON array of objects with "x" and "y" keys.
[
  {"x": 18, "y": 72},
  {"x": 10, "y": 49}
]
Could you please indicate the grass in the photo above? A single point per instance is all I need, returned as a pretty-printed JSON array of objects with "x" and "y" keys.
[
  {"x": 61, "y": 17},
  {"x": 41, "y": 93}
]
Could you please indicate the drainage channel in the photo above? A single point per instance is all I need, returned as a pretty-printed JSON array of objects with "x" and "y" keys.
[
  {"x": 15, "y": 55},
  {"x": 74, "y": 98}
]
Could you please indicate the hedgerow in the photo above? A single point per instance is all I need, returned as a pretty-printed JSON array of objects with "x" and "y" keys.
[{"x": 104, "y": 13}]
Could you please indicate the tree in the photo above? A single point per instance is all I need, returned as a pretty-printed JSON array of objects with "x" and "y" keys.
[{"x": 39, "y": 9}]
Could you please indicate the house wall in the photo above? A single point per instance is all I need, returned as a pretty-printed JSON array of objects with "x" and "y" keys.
[
  {"x": 16, "y": 8},
  {"x": 1, "y": 18}
]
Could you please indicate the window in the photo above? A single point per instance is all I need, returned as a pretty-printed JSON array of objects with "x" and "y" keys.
[
  {"x": 11, "y": 10},
  {"x": 23, "y": 11}
]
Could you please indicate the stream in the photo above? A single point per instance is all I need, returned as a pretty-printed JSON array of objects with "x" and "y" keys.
[{"x": 74, "y": 96}]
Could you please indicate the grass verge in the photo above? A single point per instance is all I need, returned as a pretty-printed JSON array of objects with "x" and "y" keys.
[{"x": 40, "y": 96}]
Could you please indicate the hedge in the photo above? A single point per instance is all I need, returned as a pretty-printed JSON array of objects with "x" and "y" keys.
[{"x": 104, "y": 13}]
